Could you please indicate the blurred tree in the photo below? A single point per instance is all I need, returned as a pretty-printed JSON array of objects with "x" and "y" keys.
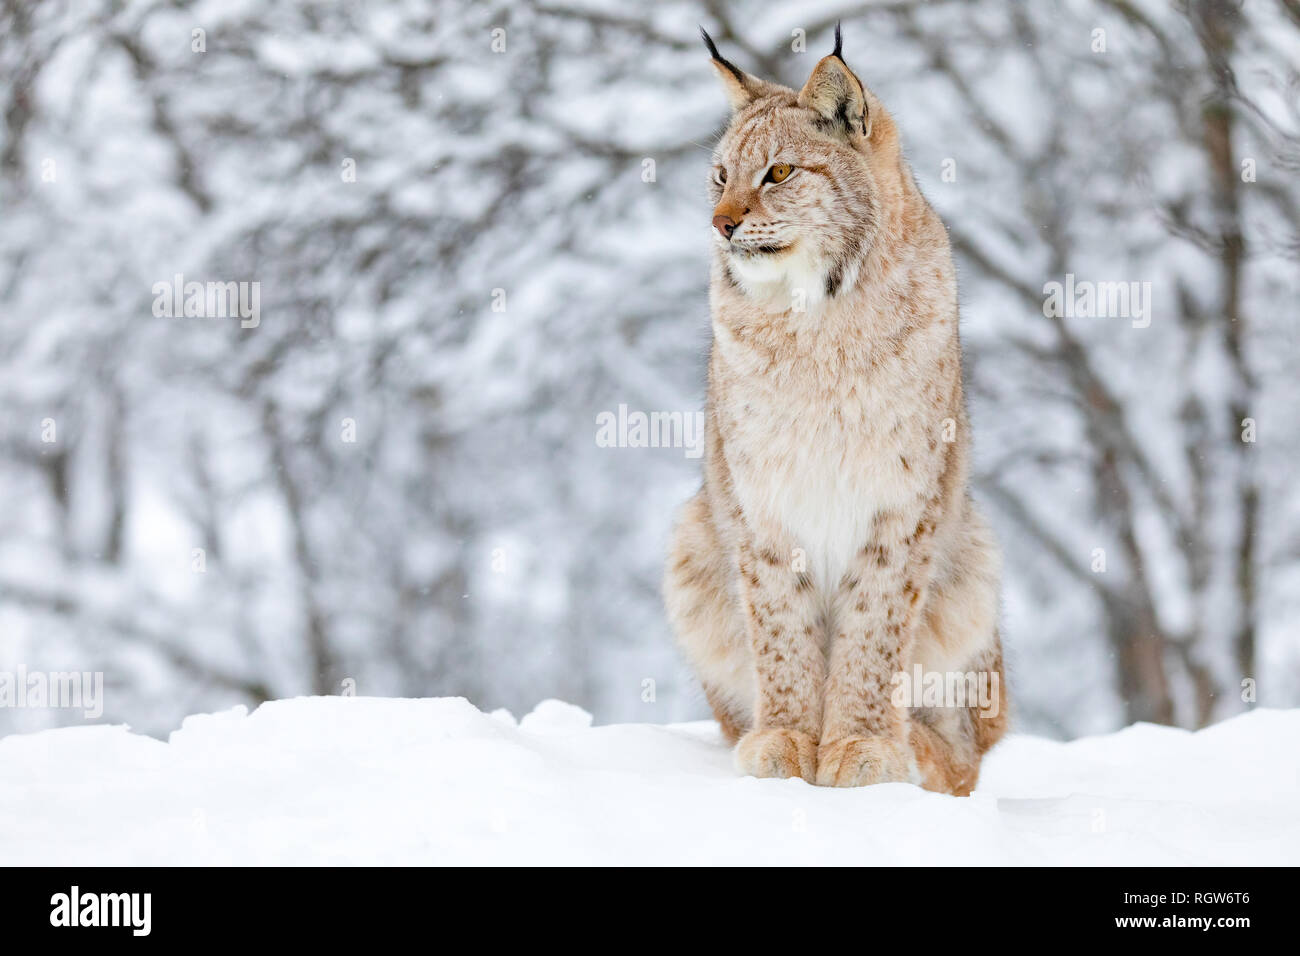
[{"x": 476, "y": 227}]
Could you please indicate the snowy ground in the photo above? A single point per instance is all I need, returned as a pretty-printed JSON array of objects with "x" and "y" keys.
[{"x": 370, "y": 780}]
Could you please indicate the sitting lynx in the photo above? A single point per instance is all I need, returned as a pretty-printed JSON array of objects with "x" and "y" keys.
[{"x": 833, "y": 547}]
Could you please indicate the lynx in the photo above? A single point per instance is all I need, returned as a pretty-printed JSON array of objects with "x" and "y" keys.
[{"x": 833, "y": 546}]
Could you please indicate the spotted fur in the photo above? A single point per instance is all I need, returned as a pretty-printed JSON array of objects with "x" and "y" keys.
[{"x": 834, "y": 543}]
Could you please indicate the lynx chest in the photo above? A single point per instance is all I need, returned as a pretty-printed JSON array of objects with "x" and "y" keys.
[{"x": 814, "y": 463}]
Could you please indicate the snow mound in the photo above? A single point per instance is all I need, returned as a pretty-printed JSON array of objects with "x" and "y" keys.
[{"x": 328, "y": 780}]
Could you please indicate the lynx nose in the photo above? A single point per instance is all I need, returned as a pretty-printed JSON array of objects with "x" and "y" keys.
[{"x": 725, "y": 225}]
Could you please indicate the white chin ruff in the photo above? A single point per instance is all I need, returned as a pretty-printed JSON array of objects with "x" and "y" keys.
[{"x": 781, "y": 282}]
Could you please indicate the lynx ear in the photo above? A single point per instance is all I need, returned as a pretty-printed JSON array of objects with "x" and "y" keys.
[
  {"x": 741, "y": 88},
  {"x": 837, "y": 96}
]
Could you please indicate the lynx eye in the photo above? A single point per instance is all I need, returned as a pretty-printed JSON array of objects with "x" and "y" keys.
[
  {"x": 779, "y": 173},
  {"x": 720, "y": 176}
]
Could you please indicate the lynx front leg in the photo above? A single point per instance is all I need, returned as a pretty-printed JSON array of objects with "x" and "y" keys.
[
  {"x": 864, "y": 736},
  {"x": 782, "y": 621}
]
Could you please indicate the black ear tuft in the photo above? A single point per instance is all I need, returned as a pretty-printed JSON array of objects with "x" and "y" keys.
[
  {"x": 836, "y": 94},
  {"x": 713, "y": 52},
  {"x": 708, "y": 42}
]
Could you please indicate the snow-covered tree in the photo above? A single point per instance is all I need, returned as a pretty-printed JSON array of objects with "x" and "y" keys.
[{"x": 472, "y": 230}]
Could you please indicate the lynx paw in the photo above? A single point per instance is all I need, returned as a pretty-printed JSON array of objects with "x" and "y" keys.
[
  {"x": 862, "y": 761},
  {"x": 775, "y": 752}
]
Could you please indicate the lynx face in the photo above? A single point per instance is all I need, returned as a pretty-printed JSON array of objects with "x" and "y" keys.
[{"x": 792, "y": 187}]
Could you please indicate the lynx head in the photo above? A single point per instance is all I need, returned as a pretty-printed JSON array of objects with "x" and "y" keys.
[{"x": 796, "y": 181}]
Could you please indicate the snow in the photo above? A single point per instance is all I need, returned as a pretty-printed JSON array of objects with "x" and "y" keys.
[{"x": 330, "y": 780}]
